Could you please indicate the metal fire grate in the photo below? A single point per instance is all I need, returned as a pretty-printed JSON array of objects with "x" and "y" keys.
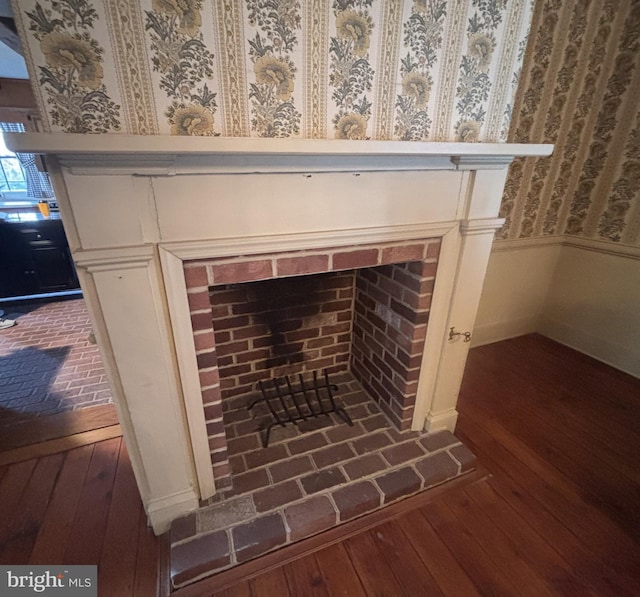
[{"x": 291, "y": 403}]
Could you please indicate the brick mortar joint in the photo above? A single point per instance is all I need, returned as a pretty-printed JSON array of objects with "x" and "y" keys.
[
  {"x": 372, "y": 478},
  {"x": 340, "y": 466},
  {"x": 448, "y": 451},
  {"x": 197, "y": 289},
  {"x": 320, "y": 432}
]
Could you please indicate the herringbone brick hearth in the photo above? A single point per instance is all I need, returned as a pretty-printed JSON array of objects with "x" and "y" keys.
[{"x": 47, "y": 363}]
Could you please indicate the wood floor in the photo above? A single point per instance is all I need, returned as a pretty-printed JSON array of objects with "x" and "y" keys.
[
  {"x": 81, "y": 506},
  {"x": 559, "y": 513}
]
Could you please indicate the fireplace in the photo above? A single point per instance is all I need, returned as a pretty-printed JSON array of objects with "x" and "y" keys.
[
  {"x": 362, "y": 309},
  {"x": 150, "y": 219}
]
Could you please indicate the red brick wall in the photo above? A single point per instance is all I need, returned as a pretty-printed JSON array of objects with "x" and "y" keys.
[
  {"x": 282, "y": 326},
  {"x": 231, "y": 348},
  {"x": 390, "y": 324}
]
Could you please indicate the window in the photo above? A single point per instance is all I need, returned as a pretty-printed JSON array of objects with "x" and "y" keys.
[
  {"x": 19, "y": 174},
  {"x": 12, "y": 176}
]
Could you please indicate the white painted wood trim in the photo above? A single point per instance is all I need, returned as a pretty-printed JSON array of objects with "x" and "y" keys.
[
  {"x": 437, "y": 326},
  {"x": 442, "y": 420},
  {"x": 474, "y": 247},
  {"x": 525, "y": 243},
  {"x": 165, "y": 155},
  {"x": 503, "y": 330},
  {"x": 588, "y": 244},
  {"x": 96, "y": 260},
  {"x": 601, "y": 349},
  {"x": 480, "y": 226},
  {"x": 163, "y": 510},
  {"x": 94, "y": 309},
  {"x": 235, "y": 246},
  {"x": 176, "y": 292},
  {"x": 602, "y": 246},
  {"x": 104, "y": 144}
]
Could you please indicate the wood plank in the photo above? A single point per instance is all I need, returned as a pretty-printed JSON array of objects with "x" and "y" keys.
[
  {"x": 28, "y": 517},
  {"x": 148, "y": 579},
  {"x": 474, "y": 560},
  {"x": 610, "y": 477},
  {"x": 550, "y": 409},
  {"x": 12, "y": 488},
  {"x": 41, "y": 429},
  {"x": 240, "y": 590},
  {"x": 443, "y": 566},
  {"x": 304, "y": 578},
  {"x": 338, "y": 572},
  {"x": 542, "y": 555},
  {"x": 410, "y": 572},
  {"x": 54, "y": 531},
  {"x": 273, "y": 582},
  {"x": 116, "y": 574},
  {"x": 374, "y": 573},
  {"x": 585, "y": 558},
  {"x": 55, "y": 446},
  {"x": 505, "y": 554},
  {"x": 550, "y": 374},
  {"x": 586, "y": 564},
  {"x": 563, "y": 499},
  {"x": 89, "y": 524}
]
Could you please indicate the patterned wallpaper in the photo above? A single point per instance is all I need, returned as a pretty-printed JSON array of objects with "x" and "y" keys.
[
  {"x": 440, "y": 70},
  {"x": 580, "y": 89}
]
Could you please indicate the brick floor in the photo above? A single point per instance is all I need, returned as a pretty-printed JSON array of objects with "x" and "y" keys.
[
  {"x": 47, "y": 364},
  {"x": 310, "y": 480}
]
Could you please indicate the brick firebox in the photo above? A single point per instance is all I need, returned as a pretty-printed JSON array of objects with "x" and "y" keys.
[{"x": 363, "y": 309}]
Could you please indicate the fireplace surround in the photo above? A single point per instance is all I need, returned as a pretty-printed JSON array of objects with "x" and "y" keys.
[{"x": 139, "y": 212}]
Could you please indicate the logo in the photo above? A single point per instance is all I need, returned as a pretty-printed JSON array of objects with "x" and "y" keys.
[{"x": 77, "y": 581}]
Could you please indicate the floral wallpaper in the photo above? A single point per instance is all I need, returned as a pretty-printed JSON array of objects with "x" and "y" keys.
[
  {"x": 579, "y": 89},
  {"x": 440, "y": 70},
  {"x": 71, "y": 75}
]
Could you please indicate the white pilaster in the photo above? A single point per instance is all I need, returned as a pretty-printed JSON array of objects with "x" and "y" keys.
[
  {"x": 477, "y": 228},
  {"x": 137, "y": 336}
]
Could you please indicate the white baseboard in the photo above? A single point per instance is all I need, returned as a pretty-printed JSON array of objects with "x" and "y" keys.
[
  {"x": 503, "y": 330},
  {"x": 163, "y": 510},
  {"x": 616, "y": 355}
]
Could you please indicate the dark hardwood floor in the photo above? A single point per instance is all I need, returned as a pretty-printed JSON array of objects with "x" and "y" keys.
[{"x": 558, "y": 513}]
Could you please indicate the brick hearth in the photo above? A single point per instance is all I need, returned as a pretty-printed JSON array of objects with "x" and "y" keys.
[{"x": 312, "y": 477}]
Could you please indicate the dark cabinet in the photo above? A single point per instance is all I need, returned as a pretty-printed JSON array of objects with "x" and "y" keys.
[{"x": 35, "y": 259}]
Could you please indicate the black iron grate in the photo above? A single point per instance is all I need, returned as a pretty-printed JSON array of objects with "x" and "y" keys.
[{"x": 292, "y": 402}]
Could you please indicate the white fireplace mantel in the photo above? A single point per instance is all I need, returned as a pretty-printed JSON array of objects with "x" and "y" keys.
[
  {"x": 135, "y": 208},
  {"x": 167, "y": 155}
]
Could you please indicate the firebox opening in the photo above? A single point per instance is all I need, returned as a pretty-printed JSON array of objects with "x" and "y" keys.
[{"x": 370, "y": 321}]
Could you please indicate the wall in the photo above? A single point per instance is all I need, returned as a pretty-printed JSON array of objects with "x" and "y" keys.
[
  {"x": 579, "y": 90},
  {"x": 563, "y": 264},
  {"x": 593, "y": 305},
  {"x": 515, "y": 290},
  {"x": 358, "y": 69}
]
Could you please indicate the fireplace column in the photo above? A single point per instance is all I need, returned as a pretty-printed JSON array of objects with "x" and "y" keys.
[
  {"x": 124, "y": 293},
  {"x": 459, "y": 284}
]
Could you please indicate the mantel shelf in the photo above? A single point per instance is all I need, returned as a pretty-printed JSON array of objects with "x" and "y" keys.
[{"x": 170, "y": 155}]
